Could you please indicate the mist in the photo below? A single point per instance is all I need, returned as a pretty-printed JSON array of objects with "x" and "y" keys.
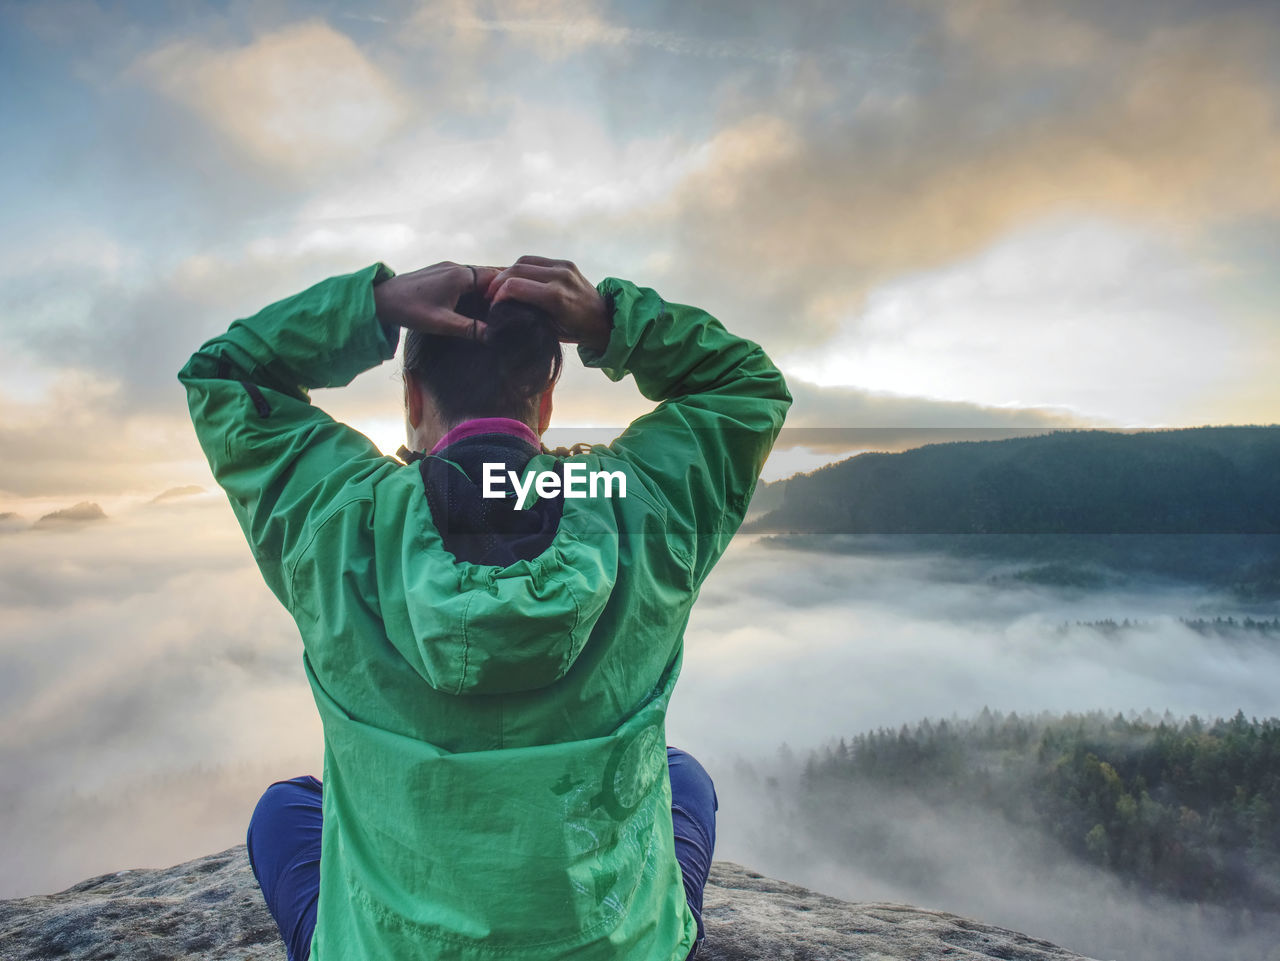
[
  {"x": 788, "y": 650},
  {"x": 966, "y": 860},
  {"x": 800, "y": 646},
  {"x": 151, "y": 688}
]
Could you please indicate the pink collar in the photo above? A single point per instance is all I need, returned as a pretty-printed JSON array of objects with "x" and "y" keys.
[{"x": 487, "y": 425}]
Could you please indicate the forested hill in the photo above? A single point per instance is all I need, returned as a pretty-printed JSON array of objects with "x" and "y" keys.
[
  {"x": 1189, "y": 809},
  {"x": 1205, "y": 480}
]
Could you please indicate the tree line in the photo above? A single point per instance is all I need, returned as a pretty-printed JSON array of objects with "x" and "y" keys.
[{"x": 1189, "y": 809}]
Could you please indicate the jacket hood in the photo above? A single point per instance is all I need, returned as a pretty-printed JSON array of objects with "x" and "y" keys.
[
  {"x": 478, "y": 618},
  {"x": 485, "y": 530}
]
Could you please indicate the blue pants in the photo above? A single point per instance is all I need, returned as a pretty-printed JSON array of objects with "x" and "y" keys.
[{"x": 284, "y": 846}]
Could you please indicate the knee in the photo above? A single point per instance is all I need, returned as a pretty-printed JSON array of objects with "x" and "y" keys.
[
  {"x": 275, "y": 801},
  {"x": 690, "y": 780},
  {"x": 263, "y": 812}
]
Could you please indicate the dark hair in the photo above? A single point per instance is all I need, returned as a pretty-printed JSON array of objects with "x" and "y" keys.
[{"x": 497, "y": 377}]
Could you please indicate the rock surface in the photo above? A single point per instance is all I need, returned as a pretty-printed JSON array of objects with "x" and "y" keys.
[{"x": 211, "y": 908}]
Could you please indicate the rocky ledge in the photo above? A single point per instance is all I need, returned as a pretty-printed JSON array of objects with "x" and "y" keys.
[{"x": 211, "y": 908}]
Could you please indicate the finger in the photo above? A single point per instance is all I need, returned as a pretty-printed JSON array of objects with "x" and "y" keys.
[
  {"x": 448, "y": 323},
  {"x": 537, "y": 261},
  {"x": 570, "y": 269},
  {"x": 528, "y": 291},
  {"x": 539, "y": 272},
  {"x": 444, "y": 275},
  {"x": 528, "y": 272},
  {"x": 485, "y": 276},
  {"x": 445, "y": 281},
  {"x": 496, "y": 282}
]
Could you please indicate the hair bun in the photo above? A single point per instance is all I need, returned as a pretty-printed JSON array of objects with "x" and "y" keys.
[{"x": 518, "y": 331}]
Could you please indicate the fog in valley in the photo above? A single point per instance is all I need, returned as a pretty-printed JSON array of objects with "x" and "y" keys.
[
  {"x": 151, "y": 687},
  {"x": 789, "y": 650}
]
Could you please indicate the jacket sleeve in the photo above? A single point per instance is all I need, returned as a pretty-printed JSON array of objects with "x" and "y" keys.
[
  {"x": 283, "y": 462},
  {"x": 721, "y": 405}
]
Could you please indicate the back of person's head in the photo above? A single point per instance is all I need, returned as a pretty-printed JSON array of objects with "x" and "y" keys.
[{"x": 501, "y": 376}]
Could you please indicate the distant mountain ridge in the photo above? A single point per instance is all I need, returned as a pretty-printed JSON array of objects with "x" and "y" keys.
[{"x": 1202, "y": 480}]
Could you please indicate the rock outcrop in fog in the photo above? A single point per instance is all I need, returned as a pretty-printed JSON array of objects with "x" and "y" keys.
[
  {"x": 79, "y": 514},
  {"x": 211, "y": 909}
]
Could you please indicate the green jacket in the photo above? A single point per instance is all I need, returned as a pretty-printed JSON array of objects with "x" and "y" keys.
[{"x": 495, "y": 779}]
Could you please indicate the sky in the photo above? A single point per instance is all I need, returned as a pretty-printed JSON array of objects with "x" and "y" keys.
[
  {"x": 984, "y": 213},
  {"x": 979, "y": 215}
]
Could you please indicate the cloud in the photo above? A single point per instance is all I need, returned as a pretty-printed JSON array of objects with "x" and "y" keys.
[
  {"x": 827, "y": 644},
  {"x": 114, "y": 676},
  {"x": 1118, "y": 323},
  {"x": 90, "y": 403},
  {"x": 748, "y": 32},
  {"x": 74, "y": 441},
  {"x": 868, "y": 843},
  {"x": 98, "y": 654},
  {"x": 138, "y": 659},
  {"x": 571, "y": 34},
  {"x": 809, "y": 210},
  {"x": 299, "y": 98},
  {"x": 783, "y": 194},
  {"x": 847, "y": 411},
  {"x": 827, "y": 424},
  {"x": 178, "y": 493},
  {"x": 553, "y": 28},
  {"x": 104, "y": 391},
  {"x": 1013, "y": 34}
]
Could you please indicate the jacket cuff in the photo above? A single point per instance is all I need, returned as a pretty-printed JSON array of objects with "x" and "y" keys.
[
  {"x": 376, "y": 338},
  {"x": 629, "y": 314}
]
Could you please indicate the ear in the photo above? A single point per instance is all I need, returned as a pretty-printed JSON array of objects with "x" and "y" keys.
[
  {"x": 412, "y": 401},
  {"x": 544, "y": 411}
]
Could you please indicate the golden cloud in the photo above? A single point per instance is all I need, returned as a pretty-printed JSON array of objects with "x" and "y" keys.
[
  {"x": 299, "y": 97},
  {"x": 1177, "y": 131}
]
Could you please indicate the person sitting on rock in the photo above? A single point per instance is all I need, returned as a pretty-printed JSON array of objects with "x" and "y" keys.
[{"x": 491, "y": 648}]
